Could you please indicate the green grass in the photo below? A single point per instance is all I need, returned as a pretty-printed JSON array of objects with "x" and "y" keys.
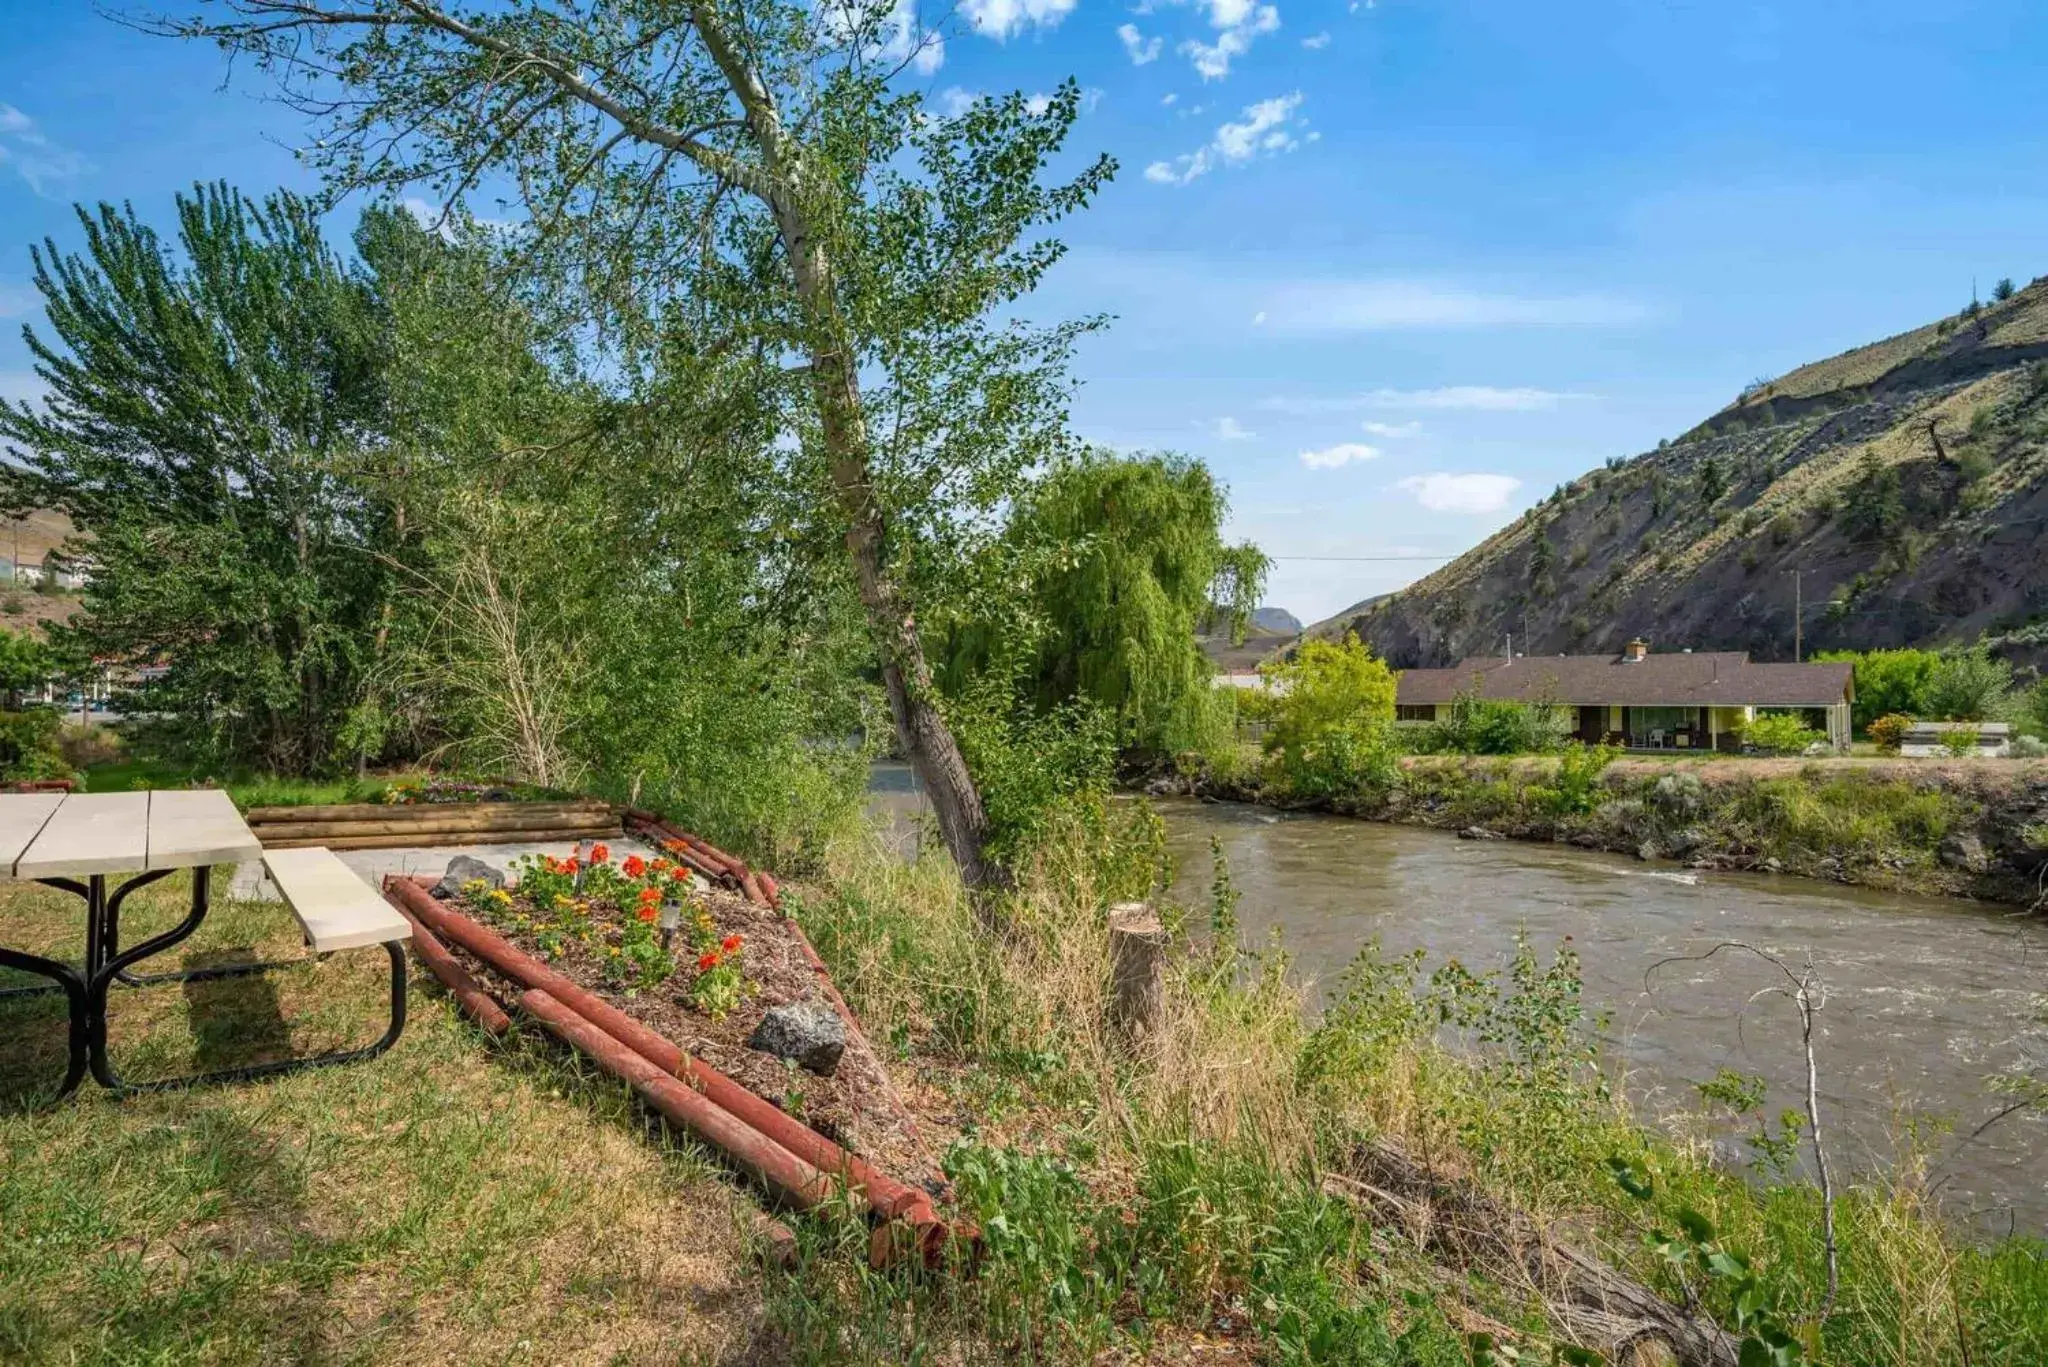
[
  {"x": 247, "y": 789},
  {"x": 455, "y": 1200}
]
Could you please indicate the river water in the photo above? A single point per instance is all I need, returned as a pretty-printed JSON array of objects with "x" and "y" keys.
[{"x": 1927, "y": 998}]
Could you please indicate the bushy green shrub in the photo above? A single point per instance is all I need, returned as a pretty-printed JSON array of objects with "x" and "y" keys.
[
  {"x": 1887, "y": 681},
  {"x": 1968, "y": 685},
  {"x": 1482, "y": 726},
  {"x": 28, "y": 746},
  {"x": 1888, "y": 733},
  {"x": 1332, "y": 732},
  {"x": 1780, "y": 733},
  {"x": 1961, "y": 742},
  {"x": 2027, "y": 747}
]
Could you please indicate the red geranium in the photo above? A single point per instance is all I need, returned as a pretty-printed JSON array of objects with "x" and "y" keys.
[
  {"x": 600, "y": 854},
  {"x": 648, "y": 912},
  {"x": 633, "y": 866},
  {"x": 650, "y": 894},
  {"x": 568, "y": 865},
  {"x": 729, "y": 943},
  {"x": 707, "y": 962}
]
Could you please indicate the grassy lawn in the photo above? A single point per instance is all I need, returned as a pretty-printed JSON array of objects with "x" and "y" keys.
[
  {"x": 248, "y": 790},
  {"x": 455, "y": 1200}
]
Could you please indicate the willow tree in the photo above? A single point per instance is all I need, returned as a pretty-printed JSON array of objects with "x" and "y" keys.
[
  {"x": 1122, "y": 561},
  {"x": 745, "y": 171}
]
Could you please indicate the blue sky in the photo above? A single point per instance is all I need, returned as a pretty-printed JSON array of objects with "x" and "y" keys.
[{"x": 1394, "y": 269}]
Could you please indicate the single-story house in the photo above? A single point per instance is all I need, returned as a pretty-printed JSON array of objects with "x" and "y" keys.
[{"x": 1673, "y": 701}]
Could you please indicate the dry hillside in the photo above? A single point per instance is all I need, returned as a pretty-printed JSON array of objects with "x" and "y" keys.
[{"x": 1906, "y": 482}]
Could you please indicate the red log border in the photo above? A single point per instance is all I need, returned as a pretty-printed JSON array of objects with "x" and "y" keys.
[
  {"x": 474, "y": 1001},
  {"x": 886, "y": 1196}
]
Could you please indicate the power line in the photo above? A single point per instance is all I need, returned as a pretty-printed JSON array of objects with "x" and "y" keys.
[{"x": 1360, "y": 559}]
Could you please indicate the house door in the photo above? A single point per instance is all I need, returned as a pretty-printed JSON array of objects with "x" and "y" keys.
[{"x": 1592, "y": 724}]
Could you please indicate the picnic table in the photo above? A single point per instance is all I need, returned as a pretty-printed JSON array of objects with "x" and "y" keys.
[{"x": 74, "y": 841}]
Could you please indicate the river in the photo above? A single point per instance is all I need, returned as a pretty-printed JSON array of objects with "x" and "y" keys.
[{"x": 1926, "y": 997}]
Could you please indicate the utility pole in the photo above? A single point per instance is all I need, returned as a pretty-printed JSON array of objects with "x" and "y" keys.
[{"x": 1798, "y": 617}]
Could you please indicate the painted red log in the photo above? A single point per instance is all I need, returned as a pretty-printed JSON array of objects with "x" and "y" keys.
[
  {"x": 751, "y": 885},
  {"x": 474, "y": 1001},
  {"x": 853, "y": 1029},
  {"x": 775, "y": 1167},
  {"x": 665, "y": 835},
  {"x": 889, "y": 1197},
  {"x": 768, "y": 885},
  {"x": 529, "y": 972}
]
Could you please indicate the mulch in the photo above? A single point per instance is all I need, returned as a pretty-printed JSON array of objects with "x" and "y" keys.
[{"x": 852, "y": 1107}]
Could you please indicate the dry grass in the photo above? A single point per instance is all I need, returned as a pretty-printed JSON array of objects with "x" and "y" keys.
[{"x": 452, "y": 1201}]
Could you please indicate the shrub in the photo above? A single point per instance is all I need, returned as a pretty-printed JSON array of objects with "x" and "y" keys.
[
  {"x": 2003, "y": 290},
  {"x": 1888, "y": 732},
  {"x": 1888, "y": 681},
  {"x": 84, "y": 744},
  {"x": 1577, "y": 789},
  {"x": 1332, "y": 728},
  {"x": 1968, "y": 685},
  {"x": 2027, "y": 747},
  {"x": 1961, "y": 742},
  {"x": 1480, "y": 726},
  {"x": 28, "y": 746},
  {"x": 1780, "y": 733}
]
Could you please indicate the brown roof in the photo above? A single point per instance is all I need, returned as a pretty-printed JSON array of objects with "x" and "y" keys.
[{"x": 1708, "y": 679}]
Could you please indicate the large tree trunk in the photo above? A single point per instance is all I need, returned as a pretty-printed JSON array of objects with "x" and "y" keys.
[{"x": 921, "y": 731}]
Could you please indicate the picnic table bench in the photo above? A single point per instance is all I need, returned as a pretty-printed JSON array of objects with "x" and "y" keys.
[{"x": 73, "y": 841}]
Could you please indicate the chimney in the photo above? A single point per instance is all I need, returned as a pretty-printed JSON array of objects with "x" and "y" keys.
[{"x": 1633, "y": 652}]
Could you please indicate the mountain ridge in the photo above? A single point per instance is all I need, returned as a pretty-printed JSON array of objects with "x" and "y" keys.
[{"x": 1894, "y": 494}]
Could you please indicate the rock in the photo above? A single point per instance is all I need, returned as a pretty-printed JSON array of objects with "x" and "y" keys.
[
  {"x": 809, "y": 1034},
  {"x": 1646, "y": 851},
  {"x": 1772, "y": 865},
  {"x": 1963, "y": 850},
  {"x": 1683, "y": 843},
  {"x": 1479, "y": 833},
  {"x": 461, "y": 870}
]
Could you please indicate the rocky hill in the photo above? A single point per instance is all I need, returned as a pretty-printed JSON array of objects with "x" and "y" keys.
[{"x": 1897, "y": 492}]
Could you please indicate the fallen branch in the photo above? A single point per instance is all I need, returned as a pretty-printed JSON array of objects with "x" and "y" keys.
[{"x": 1590, "y": 1301}]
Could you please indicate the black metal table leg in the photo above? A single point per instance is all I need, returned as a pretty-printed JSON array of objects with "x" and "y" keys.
[{"x": 66, "y": 979}]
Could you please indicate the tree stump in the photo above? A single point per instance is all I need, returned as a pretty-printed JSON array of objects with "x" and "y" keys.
[{"x": 1137, "y": 968}]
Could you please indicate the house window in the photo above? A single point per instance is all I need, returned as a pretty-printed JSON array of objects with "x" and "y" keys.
[
  {"x": 1415, "y": 711},
  {"x": 1658, "y": 727}
]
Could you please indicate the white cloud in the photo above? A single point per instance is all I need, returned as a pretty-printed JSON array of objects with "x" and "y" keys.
[
  {"x": 1168, "y": 98},
  {"x": 1343, "y": 453},
  {"x": 1239, "y": 22},
  {"x": 33, "y": 156},
  {"x": 1315, "y": 42},
  {"x": 1266, "y": 129},
  {"x": 1471, "y": 397},
  {"x": 1390, "y": 429},
  {"x": 1137, "y": 46},
  {"x": 1258, "y": 318},
  {"x": 953, "y": 101},
  {"x": 1000, "y": 19},
  {"x": 1442, "y": 493},
  {"x": 1228, "y": 429},
  {"x": 1037, "y": 103},
  {"x": 1384, "y": 305}
]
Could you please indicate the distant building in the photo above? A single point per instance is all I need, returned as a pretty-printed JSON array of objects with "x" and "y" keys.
[{"x": 1672, "y": 701}]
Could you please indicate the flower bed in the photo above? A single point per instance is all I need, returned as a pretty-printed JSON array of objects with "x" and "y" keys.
[{"x": 726, "y": 963}]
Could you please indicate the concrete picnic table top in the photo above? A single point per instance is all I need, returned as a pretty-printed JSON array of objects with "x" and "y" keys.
[{"x": 69, "y": 835}]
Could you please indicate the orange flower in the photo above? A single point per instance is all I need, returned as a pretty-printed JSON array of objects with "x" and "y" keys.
[
  {"x": 647, "y": 912},
  {"x": 600, "y": 854},
  {"x": 568, "y": 865},
  {"x": 707, "y": 962},
  {"x": 729, "y": 943},
  {"x": 650, "y": 895},
  {"x": 672, "y": 846},
  {"x": 659, "y": 864},
  {"x": 633, "y": 866}
]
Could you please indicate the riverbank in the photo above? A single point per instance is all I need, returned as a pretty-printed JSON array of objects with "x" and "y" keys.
[{"x": 1961, "y": 828}]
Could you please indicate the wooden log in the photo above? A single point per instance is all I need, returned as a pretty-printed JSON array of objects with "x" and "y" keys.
[
  {"x": 346, "y": 830},
  {"x": 1137, "y": 969},
  {"x": 422, "y": 811},
  {"x": 1589, "y": 1300},
  {"x": 474, "y": 1001},
  {"x": 447, "y": 839}
]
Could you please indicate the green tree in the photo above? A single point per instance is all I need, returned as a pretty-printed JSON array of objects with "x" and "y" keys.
[
  {"x": 1121, "y": 562},
  {"x": 2003, "y": 290},
  {"x": 748, "y": 170},
  {"x": 1887, "y": 681},
  {"x": 1874, "y": 506},
  {"x": 1713, "y": 481},
  {"x": 1333, "y": 720},
  {"x": 208, "y": 412},
  {"x": 1968, "y": 685},
  {"x": 25, "y": 664}
]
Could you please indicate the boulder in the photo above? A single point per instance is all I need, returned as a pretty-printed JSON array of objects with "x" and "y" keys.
[
  {"x": 1963, "y": 850},
  {"x": 461, "y": 871},
  {"x": 1479, "y": 833},
  {"x": 809, "y": 1034}
]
